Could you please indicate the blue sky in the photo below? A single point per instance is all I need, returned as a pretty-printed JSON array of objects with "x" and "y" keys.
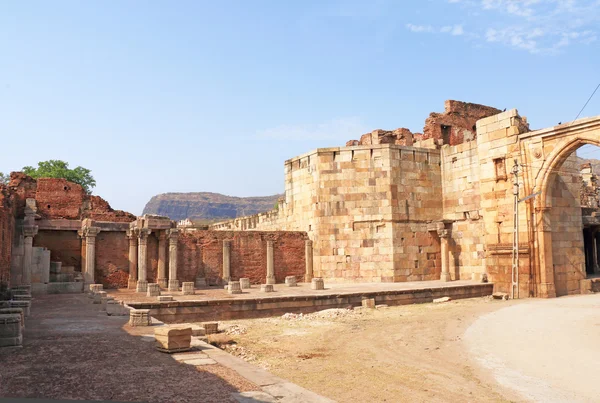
[{"x": 157, "y": 96}]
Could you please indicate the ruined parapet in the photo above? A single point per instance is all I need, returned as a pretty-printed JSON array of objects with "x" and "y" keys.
[
  {"x": 401, "y": 136},
  {"x": 589, "y": 193}
]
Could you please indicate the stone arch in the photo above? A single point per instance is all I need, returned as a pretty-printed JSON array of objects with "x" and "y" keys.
[{"x": 562, "y": 146}]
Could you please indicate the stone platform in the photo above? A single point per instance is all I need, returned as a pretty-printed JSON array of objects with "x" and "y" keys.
[{"x": 216, "y": 304}]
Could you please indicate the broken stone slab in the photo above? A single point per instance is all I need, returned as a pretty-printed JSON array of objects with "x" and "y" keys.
[
  {"x": 139, "y": 317},
  {"x": 244, "y": 283},
  {"x": 266, "y": 288},
  {"x": 201, "y": 361},
  {"x": 165, "y": 298},
  {"x": 115, "y": 308},
  {"x": 210, "y": 327},
  {"x": 290, "y": 281},
  {"x": 500, "y": 295},
  {"x": 22, "y": 297},
  {"x": 317, "y": 283},
  {"x": 187, "y": 288},
  {"x": 153, "y": 290},
  {"x": 10, "y": 330},
  {"x": 14, "y": 311},
  {"x": 98, "y": 297},
  {"x": 442, "y": 299},
  {"x": 234, "y": 287},
  {"x": 26, "y": 305},
  {"x": 173, "y": 339},
  {"x": 368, "y": 303}
]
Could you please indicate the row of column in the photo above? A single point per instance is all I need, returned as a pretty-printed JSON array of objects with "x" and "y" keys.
[
  {"x": 29, "y": 231},
  {"x": 138, "y": 259},
  {"x": 270, "y": 279}
]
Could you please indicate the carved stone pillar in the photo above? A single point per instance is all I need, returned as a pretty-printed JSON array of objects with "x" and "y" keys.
[
  {"x": 132, "y": 235},
  {"x": 29, "y": 231},
  {"x": 270, "y": 264},
  {"x": 445, "y": 250},
  {"x": 142, "y": 283},
  {"x": 173, "y": 281},
  {"x": 226, "y": 261},
  {"x": 90, "y": 253},
  {"x": 308, "y": 256},
  {"x": 162, "y": 254},
  {"x": 546, "y": 286}
]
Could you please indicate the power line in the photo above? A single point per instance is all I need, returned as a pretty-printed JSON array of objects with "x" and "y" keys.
[{"x": 598, "y": 86}]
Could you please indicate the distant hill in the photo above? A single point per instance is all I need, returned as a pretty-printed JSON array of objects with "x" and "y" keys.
[{"x": 207, "y": 206}]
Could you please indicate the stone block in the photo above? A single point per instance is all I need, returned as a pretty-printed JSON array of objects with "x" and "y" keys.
[
  {"x": 244, "y": 283},
  {"x": 162, "y": 282},
  {"x": 153, "y": 290},
  {"x": 23, "y": 287},
  {"x": 96, "y": 287},
  {"x": 26, "y": 305},
  {"x": 22, "y": 297},
  {"x": 98, "y": 296},
  {"x": 165, "y": 298},
  {"x": 200, "y": 282},
  {"x": 317, "y": 284},
  {"x": 187, "y": 288},
  {"x": 10, "y": 330},
  {"x": 210, "y": 327},
  {"x": 290, "y": 281},
  {"x": 173, "y": 285},
  {"x": 173, "y": 339},
  {"x": 142, "y": 286},
  {"x": 266, "y": 288},
  {"x": 115, "y": 308},
  {"x": 139, "y": 317},
  {"x": 104, "y": 301},
  {"x": 234, "y": 287},
  {"x": 20, "y": 291},
  {"x": 368, "y": 303},
  {"x": 14, "y": 311}
]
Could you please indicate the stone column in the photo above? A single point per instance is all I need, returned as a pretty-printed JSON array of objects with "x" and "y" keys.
[
  {"x": 595, "y": 251},
  {"x": 90, "y": 253},
  {"x": 226, "y": 261},
  {"x": 445, "y": 250},
  {"x": 142, "y": 283},
  {"x": 546, "y": 286},
  {"x": 162, "y": 254},
  {"x": 173, "y": 237},
  {"x": 132, "y": 235},
  {"x": 270, "y": 265},
  {"x": 29, "y": 231},
  {"x": 308, "y": 256}
]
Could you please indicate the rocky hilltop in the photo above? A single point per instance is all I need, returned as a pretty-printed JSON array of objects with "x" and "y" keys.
[{"x": 207, "y": 206}]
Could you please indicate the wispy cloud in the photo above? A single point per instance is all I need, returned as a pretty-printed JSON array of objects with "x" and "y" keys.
[
  {"x": 344, "y": 128},
  {"x": 536, "y": 26},
  {"x": 455, "y": 30}
]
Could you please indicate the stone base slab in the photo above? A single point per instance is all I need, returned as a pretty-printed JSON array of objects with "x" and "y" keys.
[
  {"x": 142, "y": 286},
  {"x": 162, "y": 282},
  {"x": 267, "y": 306},
  {"x": 173, "y": 285}
]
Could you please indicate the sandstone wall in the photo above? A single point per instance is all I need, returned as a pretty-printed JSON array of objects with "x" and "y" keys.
[
  {"x": 200, "y": 254},
  {"x": 567, "y": 229}
]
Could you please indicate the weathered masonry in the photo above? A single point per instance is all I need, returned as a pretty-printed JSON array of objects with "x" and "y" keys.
[
  {"x": 402, "y": 206},
  {"x": 55, "y": 238}
]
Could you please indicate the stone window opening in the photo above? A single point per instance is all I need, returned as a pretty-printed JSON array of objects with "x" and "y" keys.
[
  {"x": 500, "y": 168},
  {"x": 446, "y": 130}
]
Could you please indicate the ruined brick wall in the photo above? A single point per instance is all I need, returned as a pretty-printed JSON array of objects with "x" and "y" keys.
[
  {"x": 200, "y": 254},
  {"x": 456, "y": 124},
  {"x": 64, "y": 246},
  {"x": 22, "y": 187},
  {"x": 98, "y": 209},
  {"x": 7, "y": 229},
  {"x": 112, "y": 259},
  {"x": 59, "y": 198}
]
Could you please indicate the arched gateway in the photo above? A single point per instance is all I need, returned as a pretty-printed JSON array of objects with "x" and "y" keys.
[{"x": 551, "y": 226}]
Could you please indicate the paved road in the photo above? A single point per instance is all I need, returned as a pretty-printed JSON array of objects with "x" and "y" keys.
[
  {"x": 546, "y": 350},
  {"x": 72, "y": 350}
]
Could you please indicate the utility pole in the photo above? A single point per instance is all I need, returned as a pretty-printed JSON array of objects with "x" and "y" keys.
[{"x": 515, "y": 252}]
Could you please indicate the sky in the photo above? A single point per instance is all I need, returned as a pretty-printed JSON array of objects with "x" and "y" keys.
[{"x": 192, "y": 96}]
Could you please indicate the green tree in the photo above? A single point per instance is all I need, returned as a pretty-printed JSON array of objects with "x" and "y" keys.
[
  {"x": 60, "y": 169},
  {"x": 4, "y": 179}
]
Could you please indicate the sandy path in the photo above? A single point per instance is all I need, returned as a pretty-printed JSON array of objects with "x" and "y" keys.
[
  {"x": 547, "y": 350},
  {"x": 406, "y": 353}
]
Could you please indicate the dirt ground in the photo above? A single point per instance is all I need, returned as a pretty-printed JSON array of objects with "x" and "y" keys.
[
  {"x": 407, "y": 353},
  {"x": 73, "y": 350}
]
